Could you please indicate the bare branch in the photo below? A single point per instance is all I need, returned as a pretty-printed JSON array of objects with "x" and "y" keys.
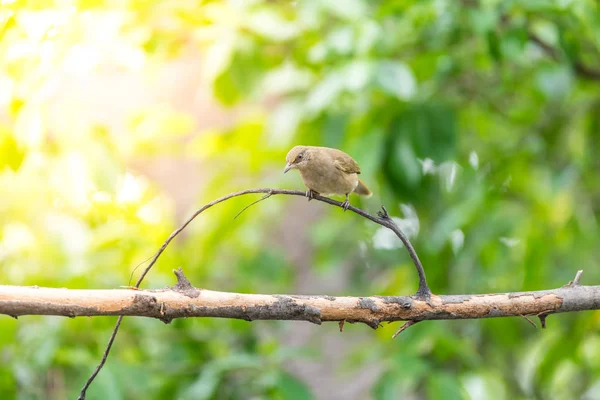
[
  {"x": 422, "y": 292},
  {"x": 579, "y": 67},
  {"x": 184, "y": 301},
  {"x": 111, "y": 340},
  {"x": 266, "y": 196},
  {"x": 382, "y": 219}
]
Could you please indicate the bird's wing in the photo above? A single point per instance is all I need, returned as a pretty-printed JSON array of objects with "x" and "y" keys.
[{"x": 346, "y": 164}]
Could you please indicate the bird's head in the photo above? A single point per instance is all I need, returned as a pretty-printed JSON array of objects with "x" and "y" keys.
[{"x": 297, "y": 157}]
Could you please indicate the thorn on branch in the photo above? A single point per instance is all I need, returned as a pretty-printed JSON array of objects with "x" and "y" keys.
[
  {"x": 406, "y": 325},
  {"x": 183, "y": 285},
  {"x": 577, "y": 278},
  {"x": 182, "y": 281},
  {"x": 341, "y": 325},
  {"x": 371, "y": 324},
  {"x": 575, "y": 281},
  {"x": 528, "y": 320},
  {"x": 542, "y": 318},
  {"x": 313, "y": 318}
]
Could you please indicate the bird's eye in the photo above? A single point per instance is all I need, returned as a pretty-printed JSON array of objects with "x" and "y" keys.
[{"x": 300, "y": 156}]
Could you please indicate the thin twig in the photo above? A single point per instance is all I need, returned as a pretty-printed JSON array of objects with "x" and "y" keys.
[
  {"x": 580, "y": 68},
  {"x": 423, "y": 291},
  {"x": 404, "y": 327},
  {"x": 266, "y": 196},
  {"x": 528, "y": 320},
  {"x": 383, "y": 220},
  {"x": 89, "y": 381},
  {"x": 135, "y": 269}
]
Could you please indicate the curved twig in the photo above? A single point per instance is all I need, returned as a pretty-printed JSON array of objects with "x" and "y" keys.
[
  {"x": 423, "y": 291},
  {"x": 382, "y": 219}
]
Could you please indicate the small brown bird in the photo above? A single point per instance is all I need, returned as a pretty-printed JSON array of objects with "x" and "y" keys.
[{"x": 326, "y": 171}]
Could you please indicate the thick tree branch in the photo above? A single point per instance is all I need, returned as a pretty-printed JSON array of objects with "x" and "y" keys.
[{"x": 184, "y": 301}]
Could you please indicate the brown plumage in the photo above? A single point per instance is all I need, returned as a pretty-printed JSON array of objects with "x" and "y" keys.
[{"x": 326, "y": 171}]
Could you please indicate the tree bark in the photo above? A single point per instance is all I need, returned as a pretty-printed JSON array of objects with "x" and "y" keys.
[{"x": 184, "y": 301}]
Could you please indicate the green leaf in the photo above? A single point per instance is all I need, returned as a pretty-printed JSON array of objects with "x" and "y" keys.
[
  {"x": 105, "y": 386},
  {"x": 219, "y": 56},
  {"x": 494, "y": 45},
  {"x": 397, "y": 79},
  {"x": 269, "y": 24},
  {"x": 205, "y": 386},
  {"x": 555, "y": 82},
  {"x": 348, "y": 9},
  {"x": 388, "y": 387},
  {"x": 444, "y": 386},
  {"x": 335, "y": 127},
  {"x": 357, "y": 74},
  {"x": 418, "y": 133},
  {"x": 293, "y": 388},
  {"x": 324, "y": 93}
]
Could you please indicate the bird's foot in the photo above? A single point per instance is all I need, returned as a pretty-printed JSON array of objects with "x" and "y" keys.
[
  {"x": 346, "y": 204},
  {"x": 383, "y": 213},
  {"x": 311, "y": 194}
]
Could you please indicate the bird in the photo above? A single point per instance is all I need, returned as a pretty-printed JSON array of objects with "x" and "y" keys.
[{"x": 326, "y": 171}]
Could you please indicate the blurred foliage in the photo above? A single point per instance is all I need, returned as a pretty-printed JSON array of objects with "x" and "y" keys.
[{"x": 484, "y": 116}]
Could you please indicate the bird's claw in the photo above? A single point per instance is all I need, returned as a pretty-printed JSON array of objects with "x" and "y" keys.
[
  {"x": 383, "y": 213},
  {"x": 346, "y": 204},
  {"x": 310, "y": 194}
]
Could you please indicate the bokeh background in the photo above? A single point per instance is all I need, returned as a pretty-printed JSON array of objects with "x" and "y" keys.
[{"x": 476, "y": 123}]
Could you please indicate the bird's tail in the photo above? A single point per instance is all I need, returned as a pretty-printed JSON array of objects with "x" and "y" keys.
[{"x": 362, "y": 189}]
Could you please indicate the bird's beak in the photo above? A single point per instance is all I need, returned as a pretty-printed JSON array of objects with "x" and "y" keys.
[{"x": 288, "y": 166}]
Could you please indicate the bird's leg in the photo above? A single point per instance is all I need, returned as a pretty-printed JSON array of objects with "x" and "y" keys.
[
  {"x": 311, "y": 194},
  {"x": 346, "y": 203}
]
